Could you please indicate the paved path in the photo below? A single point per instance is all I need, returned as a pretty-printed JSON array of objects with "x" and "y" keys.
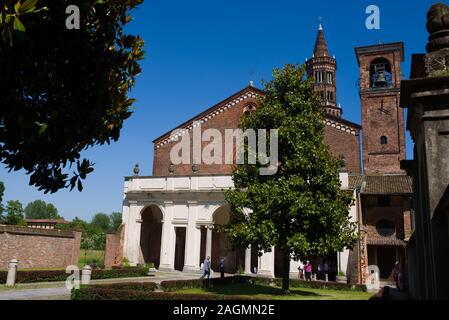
[
  {"x": 57, "y": 290},
  {"x": 35, "y": 294}
]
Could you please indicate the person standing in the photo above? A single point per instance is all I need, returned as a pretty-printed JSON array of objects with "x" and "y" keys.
[
  {"x": 206, "y": 268},
  {"x": 222, "y": 267},
  {"x": 326, "y": 271},
  {"x": 320, "y": 271},
  {"x": 301, "y": 270},
  {"x": 308, "y": 269}
]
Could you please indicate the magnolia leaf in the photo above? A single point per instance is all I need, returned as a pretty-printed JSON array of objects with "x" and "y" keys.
[{"x": 18, "y": 25}]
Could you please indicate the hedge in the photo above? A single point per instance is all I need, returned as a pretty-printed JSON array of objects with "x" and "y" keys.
[
  {"x": 173, "y": 285},
  {"x": 101, "y": 293},
  {"x": 60, "y": 275},
  {"x": 142, "y": 286}
]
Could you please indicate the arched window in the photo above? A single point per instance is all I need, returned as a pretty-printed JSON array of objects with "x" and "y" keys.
[
  {"x": 383, "y": 140},
  {"x": 248, "y": 109},
  {"x": 380, "y": 73}
]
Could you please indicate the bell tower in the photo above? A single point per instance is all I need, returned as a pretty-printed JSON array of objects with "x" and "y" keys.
[
  {"x": 322, "y": 68},
  {"x": 383, "y": 131}
]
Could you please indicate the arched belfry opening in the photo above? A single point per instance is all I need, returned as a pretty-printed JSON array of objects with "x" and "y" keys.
[
  {"x": 380, "y": 73},
  {"x": 150, "y": 235}
]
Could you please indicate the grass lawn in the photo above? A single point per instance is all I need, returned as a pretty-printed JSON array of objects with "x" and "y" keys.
[
  {"x": 274, "y": 293},
  {"x": 89, "y": 256}
]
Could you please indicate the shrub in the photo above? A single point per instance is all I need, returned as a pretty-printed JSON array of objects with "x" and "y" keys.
[
  {"x": 327, "y": 285},
  {"x": 36, "y": 276},
  {"x": 143, "y": 286},
  {"x": 100, "y": 293},
  {"x": 173, "y": 285},
  {"x": 60, "y": 275}
]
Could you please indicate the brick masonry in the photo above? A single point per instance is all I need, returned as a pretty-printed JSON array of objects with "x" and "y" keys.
[
  {"x": 39, "y": 248},
  {"x": 340, "y": 141},
  {"x": 398, "y": 212},
  {"x": 113, "y": 255},
  {"x": 377, "y": 121}
]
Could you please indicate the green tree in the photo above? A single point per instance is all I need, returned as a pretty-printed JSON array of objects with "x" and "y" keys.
[
  {"x": 300, "y": 210},
  {"x": 2, "y": 191},
  {"x": 63, "y": 91},
  {"x": 41, "y": 210},
  {"x": 14, "y": 213},
  {"x": 116, "y": 220},
  {"x": 101, "y": 222}
]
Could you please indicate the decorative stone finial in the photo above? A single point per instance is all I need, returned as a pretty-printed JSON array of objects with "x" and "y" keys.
[
  {"x": 251, "y": 83},
  {"x": 438, "y": 27},
  {"x": 136, "y": 169}
]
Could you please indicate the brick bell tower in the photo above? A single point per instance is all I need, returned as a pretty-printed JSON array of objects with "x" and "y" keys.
[
  {"x": 322, "y": 68},
  {"x": 383, "y": 130}
]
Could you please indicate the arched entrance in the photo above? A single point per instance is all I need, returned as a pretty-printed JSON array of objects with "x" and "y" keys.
[
  {"x": 221, "y": 246},
  {"x": 150, "y": 235}
]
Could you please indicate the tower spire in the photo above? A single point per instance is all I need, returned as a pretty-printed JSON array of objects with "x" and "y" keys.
[
  {"x": 323, "y": 69},
  {"x": 321, "y": 49}
]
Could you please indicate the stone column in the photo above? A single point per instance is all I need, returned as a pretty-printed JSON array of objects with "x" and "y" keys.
[
  {"x": 193, "y": 240},
  {"x": 168, "y": 240},
  {"x": 294, "y": 271},
  {"x": 12, "y": 272},
  {"x": 132, "y": 248},
  {"x": 248, "y": 261},
  {"x": 209, "y": 240},
  {"x": 266, "y": 264}
]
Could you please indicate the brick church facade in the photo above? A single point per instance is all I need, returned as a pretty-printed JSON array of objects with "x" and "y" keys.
[{"x": 170, "y": 218}]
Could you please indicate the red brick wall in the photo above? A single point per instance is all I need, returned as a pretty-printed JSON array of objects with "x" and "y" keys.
[
  {"x": 379, "y": 158},
  {"x": 341, "y": 143},
  {"x": 113, "y": 255},
  {"x": 398, "y": 212},
  {"x": 346, "y": 144},
  {"x": 38, "y": 248},
  {"x": 229, "y": 119}
]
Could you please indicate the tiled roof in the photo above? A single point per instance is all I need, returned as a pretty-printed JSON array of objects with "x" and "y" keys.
[
  {"x": 386, "y": 184},
  {"x": 384, "y": 241}
]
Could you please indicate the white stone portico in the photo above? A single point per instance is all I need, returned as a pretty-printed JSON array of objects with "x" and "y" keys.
[{"x": 170, "y": 220}]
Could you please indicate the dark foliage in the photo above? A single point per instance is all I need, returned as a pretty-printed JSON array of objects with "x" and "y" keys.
[{"x": 63, "y": 91}]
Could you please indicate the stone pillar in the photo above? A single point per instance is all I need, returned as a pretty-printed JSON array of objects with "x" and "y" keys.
[
  {"x": 294, "y": 271},
  {"x": 193, "y": 240},
  {"x": 266, "y": 264},
  {"x": 12, "y": 273},
  {"x": 426, "y": 96},
  {"x": 168, "y": 240},
  {"x": 248, "y": 261},
  {"x": 86, "y": 275},
  {"x": 132, "y": 251},
  {"x": 209, "y": 240}
]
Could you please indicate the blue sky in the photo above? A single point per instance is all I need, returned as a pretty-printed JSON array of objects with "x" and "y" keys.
[{"x": 200, "y": 52}]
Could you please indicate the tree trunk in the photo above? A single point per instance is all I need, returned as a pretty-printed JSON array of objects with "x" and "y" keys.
[{"x": 286, "y": 275}]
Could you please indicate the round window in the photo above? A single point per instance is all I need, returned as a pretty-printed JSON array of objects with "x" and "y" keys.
[{"x": 385, "y": 228}]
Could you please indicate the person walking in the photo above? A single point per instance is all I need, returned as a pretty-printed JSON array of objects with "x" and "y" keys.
[
  {"x": 326, "y": 271},
  {"x": 308, "y": 269},
  {"x": 222, "y": 267},
  {"x": 206, "y": 268},
  {"x": 398, "y": 276},
  {"x": 301, "y": 270},
  {"x": 320, "y": 271}
]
